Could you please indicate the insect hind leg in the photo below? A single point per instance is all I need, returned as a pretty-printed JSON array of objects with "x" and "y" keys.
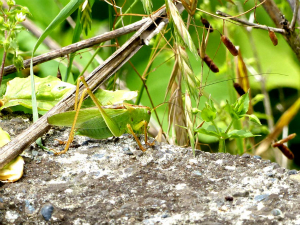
[{"x": 137, "y": 127}]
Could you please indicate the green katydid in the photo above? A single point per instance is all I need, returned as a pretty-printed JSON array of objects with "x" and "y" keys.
[{"x": 102, "y": 121}]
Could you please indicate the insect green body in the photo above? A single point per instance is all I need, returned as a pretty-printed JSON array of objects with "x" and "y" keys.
[
  {"x": 103, "y": 121},
  {"x": 91, "y": 123}
]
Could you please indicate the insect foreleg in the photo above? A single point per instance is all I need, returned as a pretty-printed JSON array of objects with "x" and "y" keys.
[
  {"x": 110, "y": 123},
  {"x": 71, "y": 136},
  {"x": 76, "y": 94},
  {"x": 135, "y": 137}
]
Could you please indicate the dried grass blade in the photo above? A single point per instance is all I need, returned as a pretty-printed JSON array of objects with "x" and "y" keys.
[
  {"x": 180, "y": 27},
  {"x": 242, "y": 77},
  {"x": 186, "y": 70},
  {"x": 177, "y": 118},
  {"x": 190, "y": 6}
]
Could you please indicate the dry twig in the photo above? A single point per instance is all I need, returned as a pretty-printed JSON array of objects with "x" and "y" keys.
[{"x": 78, "y": 46}]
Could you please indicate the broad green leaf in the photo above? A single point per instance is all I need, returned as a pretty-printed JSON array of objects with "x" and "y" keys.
[
  {"x": 49, "y": 91},
  {"x": 240, "y": 134},
  {"x": 106, "y": 97},
  {"x": 210, "y": 130},
  {"x": 3, "y": 86}
]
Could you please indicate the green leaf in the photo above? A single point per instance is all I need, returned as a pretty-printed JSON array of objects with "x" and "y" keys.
[
  {"x": 240, "y": 134},
  {"x": 3, "y": 86},
  {"x": 229, "y": 108},
  {"x": 242, "y": 105},
  {"x": 86, "y": 15},
  {"x": 256, "y": 99},
  {"x": 106, "y": 97},
  {"x": 210, "y": 130},
  {"x": 253, "y": 119},
  {"x": 208, "y": 115},
  {"x": 49, "y": 91}
]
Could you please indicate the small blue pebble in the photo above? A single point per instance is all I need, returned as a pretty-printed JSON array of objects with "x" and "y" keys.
[
  {"x": 127, "y": 151},
  {"x": 47, "y": 211},
  {"x": 196, "y": 172},
  {"x": 29, "y": 207},
  {"x": 270, "y": 174},
  {"x": 291, "y": 172},
  {"x": 259, "y": 198},
  {"x": 98, "y": 156},
  {"x": 257, "y": 157},
  {"x": 276, "y": 212}
]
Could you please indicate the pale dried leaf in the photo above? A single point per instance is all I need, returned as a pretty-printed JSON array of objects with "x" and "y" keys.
[{"x": 13, "y": 171}]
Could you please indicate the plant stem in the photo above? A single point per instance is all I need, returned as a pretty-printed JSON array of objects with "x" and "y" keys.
[
  {"x": 216, "y": 127},
  {"x": 229, "y": 126},
  {"x": 222, "y": 147},
  {"x": 2, "y": 66}
]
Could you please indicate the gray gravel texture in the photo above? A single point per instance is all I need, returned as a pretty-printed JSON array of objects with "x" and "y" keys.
[{"x": 112, "y": 182}]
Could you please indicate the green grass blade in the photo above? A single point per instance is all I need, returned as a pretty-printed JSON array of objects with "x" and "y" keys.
[
  {"x": 76, "y": 38},
  {"x": 63, "y": 14}
]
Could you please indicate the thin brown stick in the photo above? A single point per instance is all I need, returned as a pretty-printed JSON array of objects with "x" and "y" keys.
[
  {"x": 2, "y": 66},
  {"x": 78, "y": 46},
  {"x": 254, "y": 25},
  {"x": 94, "y": 80},
  {"x": 292, "y": 5}
]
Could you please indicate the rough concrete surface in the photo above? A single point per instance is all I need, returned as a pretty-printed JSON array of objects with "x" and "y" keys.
[{"x": 112, "y": 182}]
